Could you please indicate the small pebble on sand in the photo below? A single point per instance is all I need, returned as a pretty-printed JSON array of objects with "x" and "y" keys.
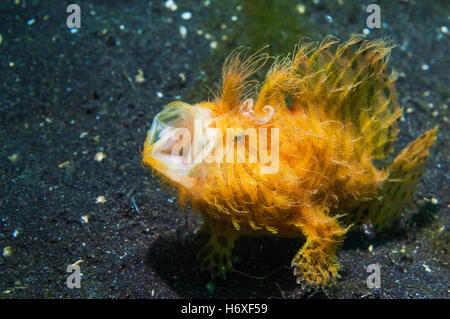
[
  {"x": 13, "y": 158},
  {"x": 183, "y": 31},
  {"x": 100, "y": 199},
  {"x": 99, "y": 156},
  {"x": 7, "y": 251},
  {"x": 186, "y": 15}
]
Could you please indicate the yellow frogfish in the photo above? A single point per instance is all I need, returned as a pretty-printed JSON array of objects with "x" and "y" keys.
[{"x": 297, "y": 155}]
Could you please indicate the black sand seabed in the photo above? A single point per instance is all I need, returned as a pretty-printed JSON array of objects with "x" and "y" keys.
[{"x": 66, "y": 96}]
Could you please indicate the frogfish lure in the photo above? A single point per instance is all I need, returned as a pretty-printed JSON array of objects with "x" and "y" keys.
[{"x": 292, "y": 156}]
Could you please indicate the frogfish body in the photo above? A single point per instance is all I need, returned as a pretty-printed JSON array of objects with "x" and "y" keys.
[{"x": 293, "y": 156}]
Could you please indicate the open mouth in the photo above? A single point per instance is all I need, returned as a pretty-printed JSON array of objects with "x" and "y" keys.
[
  {"x": 173, "y": 148},
  {"x": 173, "y": 145}
]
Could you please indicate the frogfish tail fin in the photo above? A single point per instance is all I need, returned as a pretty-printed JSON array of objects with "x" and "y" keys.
[{"x": 405, "y": 172}]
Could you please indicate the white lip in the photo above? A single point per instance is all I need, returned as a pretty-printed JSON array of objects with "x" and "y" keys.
[{"x": 163, "y": 151}]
